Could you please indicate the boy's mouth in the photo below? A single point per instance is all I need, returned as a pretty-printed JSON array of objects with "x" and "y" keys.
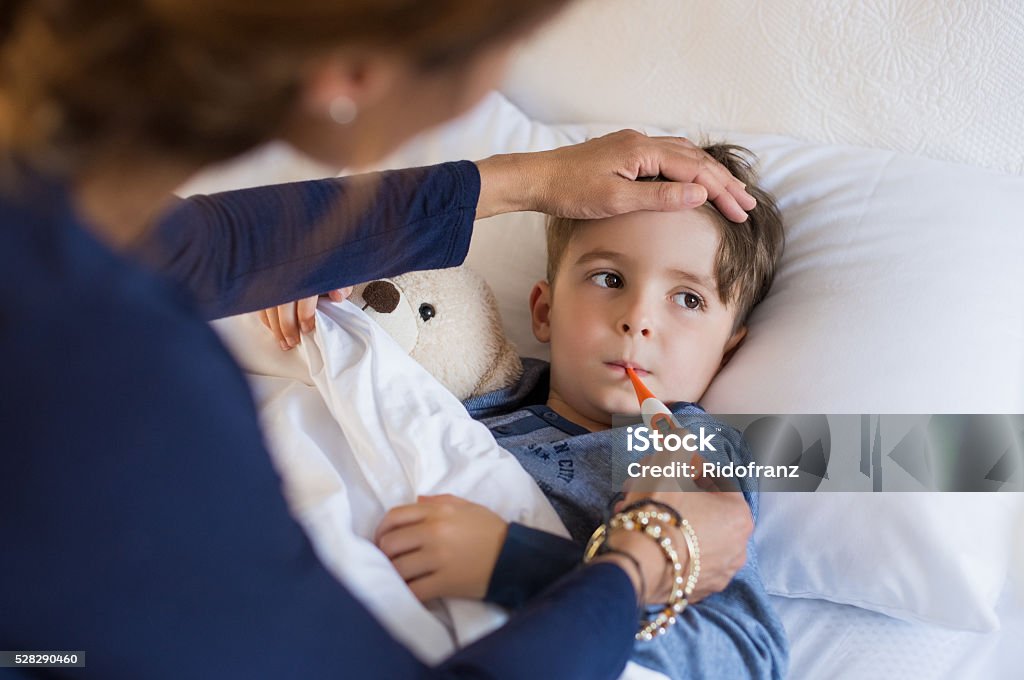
[{"x": 621, "y": 366}]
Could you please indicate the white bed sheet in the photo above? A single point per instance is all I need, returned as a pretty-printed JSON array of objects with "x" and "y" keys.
[{"x": 838, "y": 641}]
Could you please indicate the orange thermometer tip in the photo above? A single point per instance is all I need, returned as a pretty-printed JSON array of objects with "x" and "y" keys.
[
  {"x": 655, "y": 414},
  {"x": 642, "y": 393}
]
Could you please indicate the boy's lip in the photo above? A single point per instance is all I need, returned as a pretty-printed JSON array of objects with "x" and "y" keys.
[{"x": 621, "y": 366}]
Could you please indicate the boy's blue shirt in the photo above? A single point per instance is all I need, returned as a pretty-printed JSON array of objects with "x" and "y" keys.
[{"x": 734, "y": 633}]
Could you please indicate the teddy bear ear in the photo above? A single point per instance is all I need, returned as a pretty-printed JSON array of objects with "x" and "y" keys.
[{"x": 505, "y": 371}]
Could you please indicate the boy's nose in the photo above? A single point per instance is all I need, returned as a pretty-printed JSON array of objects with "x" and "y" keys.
[
  {"x": 639, "y": 328},
  {"x": 634, "y": 314}
]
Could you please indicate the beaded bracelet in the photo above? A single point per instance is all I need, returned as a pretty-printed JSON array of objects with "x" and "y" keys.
[
  {"x": 677, "y": 520},
  {"x": 649, "y": 523}
]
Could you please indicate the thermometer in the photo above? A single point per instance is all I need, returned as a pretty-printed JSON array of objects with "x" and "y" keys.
[{"x": 656, "y": 415}]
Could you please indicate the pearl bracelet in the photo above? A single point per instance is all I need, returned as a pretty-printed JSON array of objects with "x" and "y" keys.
[{"x": 650, "y": 523}]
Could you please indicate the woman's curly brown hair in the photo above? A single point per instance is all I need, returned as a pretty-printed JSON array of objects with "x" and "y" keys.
[{"x": 205, "y": 79}]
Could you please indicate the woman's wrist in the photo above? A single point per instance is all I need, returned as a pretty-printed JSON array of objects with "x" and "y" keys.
[
  {"x": 654, "y": 583},
  {"x": 508, "y": 183},
  {"x": 651, "y": 520}
]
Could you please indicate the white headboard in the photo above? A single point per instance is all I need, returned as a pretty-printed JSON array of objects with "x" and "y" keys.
[{"x": 936, "y": 78}]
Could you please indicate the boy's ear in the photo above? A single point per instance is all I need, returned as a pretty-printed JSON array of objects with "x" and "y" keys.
[
  {"x": 540, "y": 311},
  {"x": 733, "y": 344}
]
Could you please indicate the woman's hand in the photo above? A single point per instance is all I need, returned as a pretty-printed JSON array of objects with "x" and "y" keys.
[
  {"x": 595, "y": 179},
  {"x": 287, "y": 320},
  {"x": 443, "y": 546},
  {"x": 723, "y": 524}
]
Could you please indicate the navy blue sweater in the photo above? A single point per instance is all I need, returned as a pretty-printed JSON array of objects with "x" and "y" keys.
[{"x": 140, "y": 518}]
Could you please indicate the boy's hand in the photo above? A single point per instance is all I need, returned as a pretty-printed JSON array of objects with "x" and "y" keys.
[
  {"x": 443, "y": 546},
  {"x": 287, "y": 320}
]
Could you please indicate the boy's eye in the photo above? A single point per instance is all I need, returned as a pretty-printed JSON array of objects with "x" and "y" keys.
[
  {"x": 607, "y": 280},
  {"x": 688, "y": 300}
]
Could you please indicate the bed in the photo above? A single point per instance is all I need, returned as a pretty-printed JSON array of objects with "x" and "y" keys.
[{"x": 892, "y": 134}]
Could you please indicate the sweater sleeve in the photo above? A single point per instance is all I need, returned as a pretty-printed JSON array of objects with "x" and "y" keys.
[
  {"x": 581, "y": 628},
  {"x": 530, "y": 561},
  {"x": 244, "y": 250}
]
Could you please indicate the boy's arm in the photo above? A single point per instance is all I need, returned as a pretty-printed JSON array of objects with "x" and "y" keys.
[{"x": 446, "y": 546}]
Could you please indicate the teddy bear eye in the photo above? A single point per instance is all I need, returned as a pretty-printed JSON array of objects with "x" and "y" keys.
[{"x": 427, "y": 311}]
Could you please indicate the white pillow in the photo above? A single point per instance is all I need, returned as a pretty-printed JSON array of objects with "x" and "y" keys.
[
  {"x": 929, "y": 557},
  {"x": 898, "y": 293}
]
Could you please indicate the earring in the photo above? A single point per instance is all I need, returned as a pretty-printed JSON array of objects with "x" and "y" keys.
[{"x": 342, "y": 110}]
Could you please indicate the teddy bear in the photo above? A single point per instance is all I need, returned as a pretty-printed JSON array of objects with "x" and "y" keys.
[{"x": 448, "y": 321}]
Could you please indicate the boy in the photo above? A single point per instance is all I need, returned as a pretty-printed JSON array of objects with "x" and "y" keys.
[{"x": 666, "y": 294}]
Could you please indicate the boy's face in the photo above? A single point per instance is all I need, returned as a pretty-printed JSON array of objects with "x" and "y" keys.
[{"x": 637, "y": 290}]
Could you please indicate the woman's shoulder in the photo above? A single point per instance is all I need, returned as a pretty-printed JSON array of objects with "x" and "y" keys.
[{"x": 97, "y": 343}]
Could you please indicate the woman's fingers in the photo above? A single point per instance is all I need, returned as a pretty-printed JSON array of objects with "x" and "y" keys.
[
  {"x": 683, "y": 162},
  {"x": 667, "y": 195},
  {"x": 699, "y": 478},
  {"x": 722, "y": 175},
  {"x": 687, "y": 163}
]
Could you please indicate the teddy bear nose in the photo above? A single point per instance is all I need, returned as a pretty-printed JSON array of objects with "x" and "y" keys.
[{"x": 382, "y": 296}]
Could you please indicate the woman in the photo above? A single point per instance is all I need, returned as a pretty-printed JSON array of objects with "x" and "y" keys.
[{"x": 140, "y": 518}]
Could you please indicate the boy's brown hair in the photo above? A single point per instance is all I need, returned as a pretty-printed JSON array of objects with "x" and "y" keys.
[{"x": 748, "y": 252}]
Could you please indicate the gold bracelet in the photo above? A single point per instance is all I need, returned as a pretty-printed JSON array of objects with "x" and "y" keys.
[{"x": 650, "y": 523}]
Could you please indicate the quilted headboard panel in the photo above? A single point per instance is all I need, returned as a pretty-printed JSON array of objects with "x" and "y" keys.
[{"x": 937, "y": 78}]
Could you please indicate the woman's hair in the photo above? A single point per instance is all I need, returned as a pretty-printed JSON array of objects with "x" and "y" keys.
[
  {"x": 748, "y": 252},
  {"x": 205, "y": 79}
]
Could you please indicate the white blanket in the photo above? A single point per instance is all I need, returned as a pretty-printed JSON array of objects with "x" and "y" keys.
[{"x": 355, "y": 427}]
